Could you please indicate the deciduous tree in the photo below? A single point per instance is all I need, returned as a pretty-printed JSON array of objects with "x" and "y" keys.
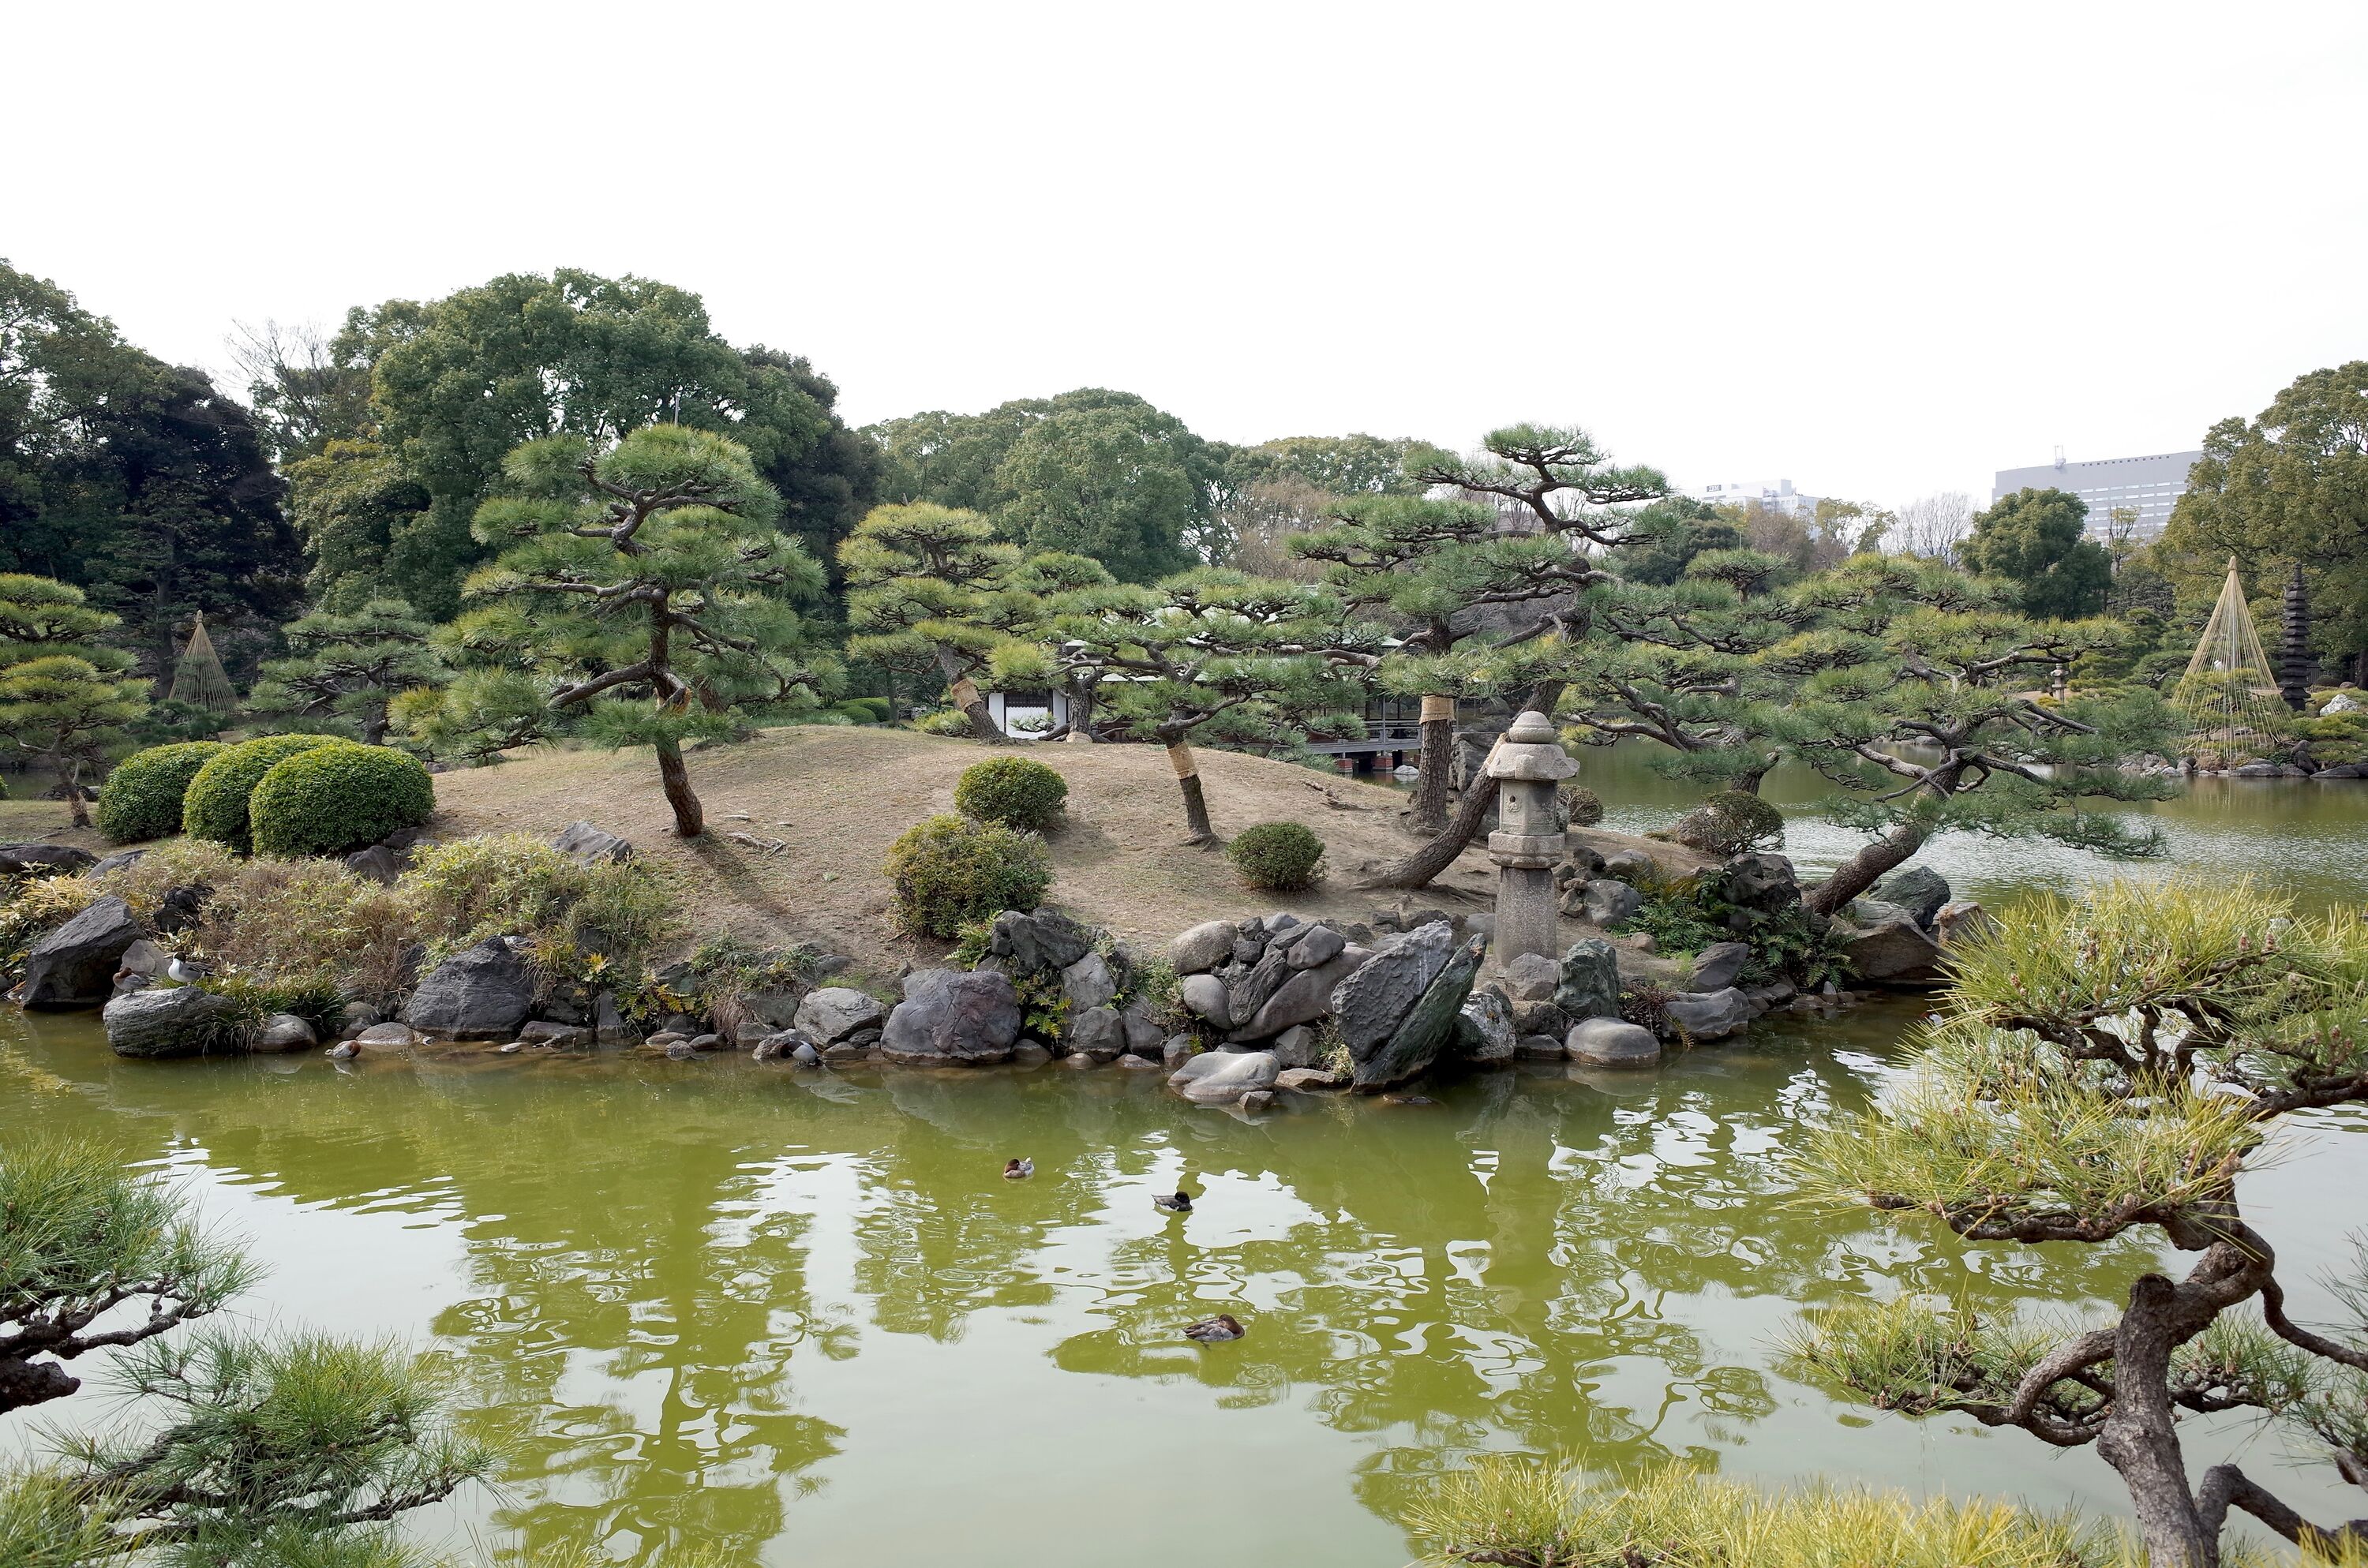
[{"x": 2034, "y": 539}]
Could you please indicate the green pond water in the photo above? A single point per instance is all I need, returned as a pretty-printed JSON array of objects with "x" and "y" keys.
[{"x": 802, "y": 1316}]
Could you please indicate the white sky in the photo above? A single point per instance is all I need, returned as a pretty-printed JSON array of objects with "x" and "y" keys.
[{"x": 1880, "y": 249}]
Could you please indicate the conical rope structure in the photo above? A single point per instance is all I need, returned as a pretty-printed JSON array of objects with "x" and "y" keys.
[
  {"x": 198, "y": 678},
  {"x": 2229, "y": 694}
]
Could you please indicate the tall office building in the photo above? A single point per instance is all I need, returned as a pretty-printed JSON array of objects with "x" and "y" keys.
[{"x": 2148, "y": 485}]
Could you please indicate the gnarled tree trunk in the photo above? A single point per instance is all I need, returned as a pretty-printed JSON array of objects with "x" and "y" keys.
[
  {"x": 1865, "y": 868},
  {"x": 1418, "y": 869},
  {"x": 1188, "y": 784},
  {"x": 966, "y": 695},
  {"x": 689, "y": 819},
  {"x": 1436, "y": 761}
]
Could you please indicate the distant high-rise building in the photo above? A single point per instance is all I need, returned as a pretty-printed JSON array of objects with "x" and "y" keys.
[
  {"x": 2147, "y": 485},
  {"x": 1773, "y": 496}
]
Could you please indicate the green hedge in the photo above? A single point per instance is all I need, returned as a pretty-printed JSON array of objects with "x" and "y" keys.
[
  {"x": 335, "y": 798},
  {"x": 142, "y": 799},
  {"x": 949, "y": 872},
  {"x": 215, "y": 806},
  {"x": 1277, "y": 857},
  {"x": 1017, "y": 792}
]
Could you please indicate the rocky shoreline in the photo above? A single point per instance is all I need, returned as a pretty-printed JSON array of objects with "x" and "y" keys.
[{"x": 1234, "y": 1012}]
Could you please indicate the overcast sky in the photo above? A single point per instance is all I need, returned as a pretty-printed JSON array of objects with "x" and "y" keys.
[{"x": 1878, "y": 249}]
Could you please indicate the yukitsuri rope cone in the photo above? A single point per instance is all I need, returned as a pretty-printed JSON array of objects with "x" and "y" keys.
[
  {"x": 2229, "y": 694},
  {"x": 198, "y": 678}
]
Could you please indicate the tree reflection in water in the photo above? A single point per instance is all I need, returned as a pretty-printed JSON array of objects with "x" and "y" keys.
[{"x": 1539, "y": 1263}]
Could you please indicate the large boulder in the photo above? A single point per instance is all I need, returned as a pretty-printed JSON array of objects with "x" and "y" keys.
[
  {"x": 1612, "y": 1042},
  {"x": 1895, "y": 952},
  {"x": 74, "y": 965},
  {"x": 1762, "y": 881},
  {"x": 1099, "y": 1033},
  {"x": 176, "y": 1021},
  {"x": 284, "y": 1032},
  {"x": 1426, "y": 1030},
  {"x": 1144, "y": 1036},
  {"x": 1319, "y": 946},
  {"x": 1606, "y": 902},
  {"x": 1709, "y": 1015},
  {"x": 1369, "y": 1005},
  {"x": 1919, "y": 889},
  {"x": 1203, "y": 948},
  {"x": 951, "y": 1018},
  {"x": 482, "y": 994},
  {"x": 1304, "y": 997},
  {"x": 43, "y": 859},
  {"x": 591, "y": 845},
  {"x": 1629, "y": 866},
  {"x": 1248, "y": 992},
  {"x": 1204, "y": 997},
  {"x": 1590, "y": 987},
  {"x": 833, "y": 1011},
  {"x": 1223, "y": 1077},
  {"x": 1531, "y": 977},
  {"x": 1719, "y": 965},
  {"x": 1961, "y": 920},
  {"x": 1038, "y": 943}
]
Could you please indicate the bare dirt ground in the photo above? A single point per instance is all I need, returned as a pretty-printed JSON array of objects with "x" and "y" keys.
[{"x": 834, "y": 799}]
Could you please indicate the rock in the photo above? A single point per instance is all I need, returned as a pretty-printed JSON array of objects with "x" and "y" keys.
[
  {"x": 1178, "y": 1050},
  {"x": 74, "y": 965},
  {"x": 1531, "y": 977},
  {"x": 1539, "y": 1047},
  {"x": 1246, "y": 995},
  {"x": 1306, "y": 996},
  {"x": 2341, "y": 703},
  {"x": 1961, "y": 920},
  {"x": 1248, "y": 949},
  {"x": 1143, "y": 1036},
  {"x": 285, "y": 1031},
  {"x": 1417, "y": 919},
  {"x": 1628, "y": 866},
  {"x": 1320, "y": 945},
  {"x": 1719, "y": 965},
  {"x": 146, "y": 958},
  {"x": 1486, "y": 1028},
  {"x": 377, "y": 863},
  {"x": 1307, "y": 1080},
  {"x": 1590, "y": 987},
  {"x": 1919, "y": 889},
  {"x": 2255, "y": 770},
  {"x": 115, "y": 862},
  {"x": 950, "y": 1018},
  {"x": 483, "y": 993},
  {"x": 1540, "y": 1017},
  {"x": 1612, "y": 1042},
  {"x": 1027, "y": 1053},
  {"x": 176, "y": 1021},
  {"x": 1609, "y": 903},
  {"x": 1709, "y": 1015},
  {"x": 1874, "y": 912},
  {"x": 1281, "y": 924},
  {"x": 1098, "y": 1032},
  {"x": 591, "y": 845},
  {"x": 1896, "y": 952},
  {"x": 557, "y": 1037},
  {"x": 1205, "y": 998},
  {"x": 835, "y": 1012},
  {"x": 777, "y": 1010},
  {"x": 1763, "y": 881},
  {"x": 1201, "y": 949},
  {"x": 1428, "y": 1028},
  {"x": 1257, "y": 1101},
  {"x": 1222, "y": 1078},
  {"x": 1298, "y": 1046},
  {"x": 43, "y": 859},
  {"x": 609, "y": 1025},
  {"x": 1079, "y": 1058},
  {"x": 356, "y": 1018},
  {"x": 1089, "y": 984},
  {"x": 681, "y": 1050},
  {"x": 1774, "y": 994},
  {"x": 665, "y": 1037},
  {"x": 1144, "y": 1062},
  {"x": 1039, "y": 943},
  {"x": 2343, "y": 770},
  {"x": 705, "y": 1042},
  {"x": 1369, "y": 1005}
]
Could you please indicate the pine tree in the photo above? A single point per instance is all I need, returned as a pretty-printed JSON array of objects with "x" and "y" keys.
[
  {"x": 352, "y": 666},
  {"x": 64, "y": 698}
]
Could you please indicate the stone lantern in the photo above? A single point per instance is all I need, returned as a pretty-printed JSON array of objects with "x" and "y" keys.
[{"x": 1529, "y": 766}]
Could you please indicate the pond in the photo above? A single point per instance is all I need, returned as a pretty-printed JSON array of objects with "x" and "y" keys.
[{"x": 804, "y": 1317}]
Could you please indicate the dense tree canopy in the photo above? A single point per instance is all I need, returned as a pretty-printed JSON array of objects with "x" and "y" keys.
[
  {"x": 2289, "y": 486},
  {"x": 2034, "y": 539},
  {"x": 134, "y": 479}
]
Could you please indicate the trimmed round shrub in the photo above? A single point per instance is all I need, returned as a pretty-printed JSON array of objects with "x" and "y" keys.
[
  {"x": 1730, "y": 823},
  {"x": 335, "y": 798},
  {"x": 949, "y": 872},
  {"x": 215, "y": 805},
  {"x": 1277, "y": 857},
  {"x": 1014, "y": 791},
  {"x": 1581, "y": 806},
  {"x": 142, "y": 799}
]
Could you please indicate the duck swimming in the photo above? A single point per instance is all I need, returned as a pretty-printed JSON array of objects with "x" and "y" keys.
[
  {"x": 1180, "y": 1204},
  {"x": 1018, "y": 1170},
  {"x": 344, "y": 1051},
  {"x": 1215, "y": 1330}
]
